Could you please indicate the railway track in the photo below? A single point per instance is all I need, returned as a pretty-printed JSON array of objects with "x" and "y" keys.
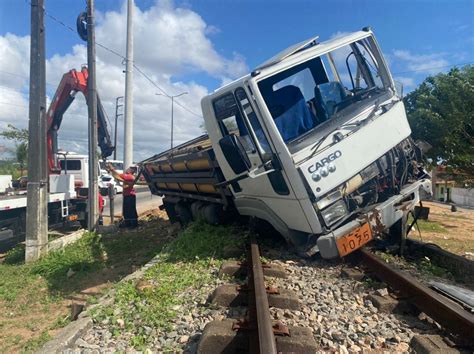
[
  {"x": 454, "y": 319},
  {"x": 257, "y": 332}
]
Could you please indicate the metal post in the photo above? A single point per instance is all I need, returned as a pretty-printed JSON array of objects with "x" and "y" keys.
[
  {"x": 172, "y": 121},
  {"x": 37, "y": 194},
  {"x": 128, "y": 121},
  {"x": 111, "y": 203},
  {"x": 172, "y": 111},
  {"x": 116, "y": 119},
  {"x": 92, "y": 105}
]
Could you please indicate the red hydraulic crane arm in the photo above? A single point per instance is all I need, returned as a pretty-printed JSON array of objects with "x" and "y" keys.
[{"x": 72, "y": 82}]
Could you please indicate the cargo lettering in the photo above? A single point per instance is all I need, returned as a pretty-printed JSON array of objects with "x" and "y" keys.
[{"x": 331, "y": 157}]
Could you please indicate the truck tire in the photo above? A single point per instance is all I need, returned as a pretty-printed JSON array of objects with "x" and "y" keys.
[
  {"x": 212, "y": 213},
  {"x": 184, "y": 213},
  {"x": 197, "y": 210}
]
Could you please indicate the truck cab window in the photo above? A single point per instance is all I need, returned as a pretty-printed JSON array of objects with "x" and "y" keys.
[
  {"x": 247, "y": 110},
  {"x": 70, "y": 165},
  {"x": 230, "y": 121}
]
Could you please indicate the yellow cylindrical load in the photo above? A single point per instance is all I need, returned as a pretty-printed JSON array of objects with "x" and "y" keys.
[
  {"x": 181, "y": 166},
  {"x": 189, "y": 187},
  {"x": 192, "y": 158}
]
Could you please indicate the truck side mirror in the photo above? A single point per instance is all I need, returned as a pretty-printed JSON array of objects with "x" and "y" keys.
[{"x": 235, "y": 153}]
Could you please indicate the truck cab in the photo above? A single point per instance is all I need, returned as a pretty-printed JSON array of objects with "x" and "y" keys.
[{"x": 316, "y": 142}]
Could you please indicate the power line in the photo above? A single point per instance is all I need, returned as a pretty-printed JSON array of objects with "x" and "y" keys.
[
  {"x": 22, "y": 76},
  {"x": 62, "y": 23}
]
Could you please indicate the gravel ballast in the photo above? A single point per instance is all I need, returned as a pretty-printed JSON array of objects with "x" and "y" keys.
[{"x": 335, "y": 308}]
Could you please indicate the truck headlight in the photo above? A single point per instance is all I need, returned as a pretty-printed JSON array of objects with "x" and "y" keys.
[{"x": 334, "y": 212}]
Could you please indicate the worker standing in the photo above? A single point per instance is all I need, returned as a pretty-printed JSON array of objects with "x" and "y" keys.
[{"x": 129, "y": 206}]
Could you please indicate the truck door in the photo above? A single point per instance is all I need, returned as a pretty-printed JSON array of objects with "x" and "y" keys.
[{"x": 266, "y": 195}]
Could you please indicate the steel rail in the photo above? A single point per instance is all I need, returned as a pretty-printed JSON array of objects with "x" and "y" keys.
[
  {"x": 266, "y": 338},
  {"x": 451, "y": 316}
]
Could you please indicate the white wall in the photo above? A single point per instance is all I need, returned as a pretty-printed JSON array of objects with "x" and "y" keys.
[{"x": 463, "y": 196}]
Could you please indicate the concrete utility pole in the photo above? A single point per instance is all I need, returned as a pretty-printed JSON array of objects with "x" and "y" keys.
[
  {"x": 117, "y": 114},
  {"x": 92, "y": 108},
  {"x": 37, "y": 194},
  {"x": 128, "y": 121}
]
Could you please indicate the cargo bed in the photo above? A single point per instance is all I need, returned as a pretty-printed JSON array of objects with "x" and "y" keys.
[{"x": 188, "y": 171}]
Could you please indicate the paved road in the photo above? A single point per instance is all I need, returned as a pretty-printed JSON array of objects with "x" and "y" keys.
[{"x": 145, "y": 201}]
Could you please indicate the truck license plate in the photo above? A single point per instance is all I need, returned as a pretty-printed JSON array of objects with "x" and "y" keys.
[{"x": 354, "y": 239}]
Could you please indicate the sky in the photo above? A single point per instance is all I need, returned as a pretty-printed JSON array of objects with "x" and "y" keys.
[{"x": 196, "y": 46}]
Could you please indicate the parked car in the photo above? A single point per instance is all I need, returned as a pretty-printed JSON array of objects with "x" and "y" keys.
[{"x": 105, "y": 180}]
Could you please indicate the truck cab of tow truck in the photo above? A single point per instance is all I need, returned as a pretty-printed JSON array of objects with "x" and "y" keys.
[{"x": 316, "y": 142}]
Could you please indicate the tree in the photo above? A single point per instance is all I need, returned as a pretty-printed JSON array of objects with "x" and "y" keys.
[
  {"x": 441, "y": 112},
  {"x": 22, "y": 155},
  {"x": 16, "y": 134},
  {"x": 20, "y": 136}
]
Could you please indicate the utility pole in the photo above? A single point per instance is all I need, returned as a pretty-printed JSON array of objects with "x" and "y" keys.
[
  {"x": 128, "y": 121},
  {"x": 117, "y": 114},
  {"x": 92, "y": 109},
  {"x": 37, "y": 187},
  {"x": 172, "y": 110}
]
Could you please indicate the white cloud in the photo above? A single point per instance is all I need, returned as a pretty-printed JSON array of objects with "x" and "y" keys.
[
  {"x": 170, "y": 42},
  {"x": 423, "y": 63}
]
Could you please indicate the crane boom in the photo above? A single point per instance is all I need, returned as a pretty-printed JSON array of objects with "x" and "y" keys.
[{"x": 71, "y": 83}]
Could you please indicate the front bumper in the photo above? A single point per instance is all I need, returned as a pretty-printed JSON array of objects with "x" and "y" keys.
[{"x": 380, "y": 217}]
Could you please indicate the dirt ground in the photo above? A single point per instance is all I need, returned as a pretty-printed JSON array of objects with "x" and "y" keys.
[{"x": 453, "y": 231}]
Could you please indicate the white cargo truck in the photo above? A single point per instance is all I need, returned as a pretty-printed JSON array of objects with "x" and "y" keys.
[
  {"x": 63, "y": 206},
  {"x": 314, "y": 141}
]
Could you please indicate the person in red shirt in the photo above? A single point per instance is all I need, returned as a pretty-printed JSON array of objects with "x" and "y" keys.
[
  {"x": 101, "y": 209},
  {"x": 129, "y": 206}
]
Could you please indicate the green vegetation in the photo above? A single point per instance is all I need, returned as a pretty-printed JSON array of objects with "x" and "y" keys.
[
  {"x": 441, "y": 112},
  {"x": 428, "y": 226},
  {"x": 20, "y": 137},
  {"x": 425, "y": 266},
  {"x": 186, "y": 263},
  {"x": 10, "y": 168},
  {"x": 34, "y": 297}
]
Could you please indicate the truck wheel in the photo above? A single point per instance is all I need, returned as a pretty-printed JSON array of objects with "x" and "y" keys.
[
  {"x": 197, "y": 210},
  {"x": 213, "y": 214},
  {"x": 184, "y": 213}
]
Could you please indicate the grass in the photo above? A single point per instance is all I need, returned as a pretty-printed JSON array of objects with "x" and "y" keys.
[
  {"x": 185, "y": 263},
  {"x": 34, "y": 298},
  {"x": 429, "y": 226},
  {"x": 424, "y": 265}
]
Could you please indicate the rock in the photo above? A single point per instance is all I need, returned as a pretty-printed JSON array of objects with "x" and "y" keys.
[
  {"x": 343, "y": 349},
  {"x": 172, "y": 334},
  {"x": 379, "y": 341},
  {"x": 382, "y": 292},
  {"x": 120, "y": 323},
  {"x": 355, "y": 348},
  {"x": 402, "y": 348},
  {"x": 183, "y": 339},
  {"x": 337, "y": 336},
  {"x": 83, "y": 344}
]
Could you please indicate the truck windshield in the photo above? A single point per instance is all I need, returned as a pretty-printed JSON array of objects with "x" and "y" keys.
[
  {"x": 70, "y": 165},
  {"x": 332, "y": 85}
]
